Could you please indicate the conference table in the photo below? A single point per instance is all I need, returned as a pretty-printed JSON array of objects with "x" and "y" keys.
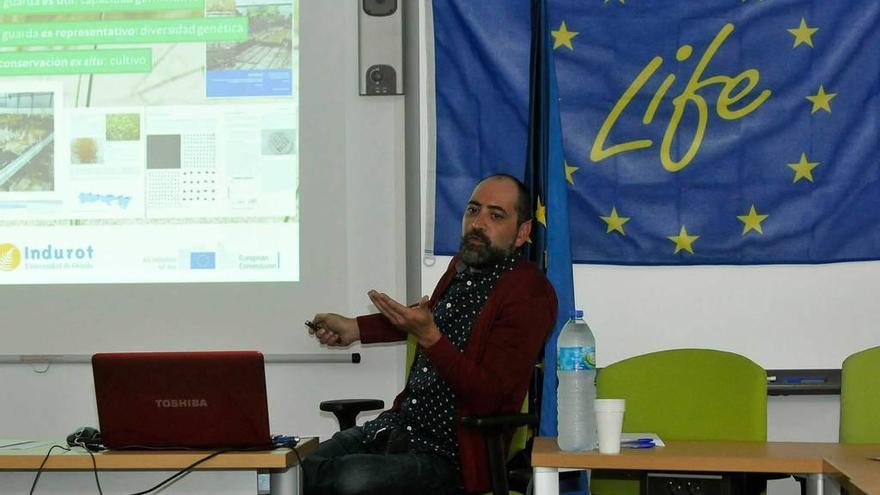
[
  {"x": 267, "y": 472},
  {"x": 828, "y": 467}
]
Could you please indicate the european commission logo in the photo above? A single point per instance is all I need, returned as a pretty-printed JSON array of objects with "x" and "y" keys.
[
  {"x": 203, "y": 260},
  {"x": 10, "y": 257}
]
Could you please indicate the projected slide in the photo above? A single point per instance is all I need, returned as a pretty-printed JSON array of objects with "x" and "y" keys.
[{"x": 148, "y": 141}]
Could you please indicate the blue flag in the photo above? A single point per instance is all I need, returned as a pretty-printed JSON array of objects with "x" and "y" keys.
[
  {"x": 545, "y": 173},
  {"x": 550, "y": 241},
  {"x": 713, "y": 132}
]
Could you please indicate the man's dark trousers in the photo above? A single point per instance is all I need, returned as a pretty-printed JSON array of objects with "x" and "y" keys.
[{"x": 347, "y": 465}]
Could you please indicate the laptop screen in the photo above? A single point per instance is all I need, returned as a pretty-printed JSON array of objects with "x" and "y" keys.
[{"x": 181, "y": 399}]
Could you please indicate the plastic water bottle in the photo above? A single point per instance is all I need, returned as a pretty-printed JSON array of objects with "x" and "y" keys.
[{"x": 576, "y": 392}]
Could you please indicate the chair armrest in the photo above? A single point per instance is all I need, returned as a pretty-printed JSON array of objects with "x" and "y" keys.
[
  {"x": 346, "y": 410},
  {"x": 506, "y": 421}
]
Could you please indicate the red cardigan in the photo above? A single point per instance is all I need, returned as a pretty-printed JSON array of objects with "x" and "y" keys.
[{"x": 492, "y": 374}]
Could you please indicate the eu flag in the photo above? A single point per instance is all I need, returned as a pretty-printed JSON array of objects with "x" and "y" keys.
[
  {"x": 712, "y": 132},
  {"x": 545, "y": 174}
]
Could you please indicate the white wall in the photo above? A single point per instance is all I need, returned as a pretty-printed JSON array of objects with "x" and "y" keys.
[
  {"x": 680, "y": 303},
  {"x": 41, "y": 403},
  {"x": 780, "y": 316}
]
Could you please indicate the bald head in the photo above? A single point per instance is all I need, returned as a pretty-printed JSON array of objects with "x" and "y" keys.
[{"x": 523, "y": 205}]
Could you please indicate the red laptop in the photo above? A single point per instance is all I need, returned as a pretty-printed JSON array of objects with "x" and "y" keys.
[{"x": 182, "y": 399}]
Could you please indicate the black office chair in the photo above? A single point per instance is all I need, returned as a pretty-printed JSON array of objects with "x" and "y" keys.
[{"x": 505, "y": 474}]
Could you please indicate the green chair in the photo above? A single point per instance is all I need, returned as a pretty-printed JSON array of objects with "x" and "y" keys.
[
  {"x": 684, "y": 394},
  {"x": 860, "y": 397}
]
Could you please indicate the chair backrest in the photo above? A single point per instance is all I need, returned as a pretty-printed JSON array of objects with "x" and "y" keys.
[
  {"x": 860, "y": 397},
  {"x": 690, "y": 394}
]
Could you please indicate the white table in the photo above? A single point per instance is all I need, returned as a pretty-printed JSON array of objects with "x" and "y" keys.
[
  {"x": 277, "y": 471},
  {"x": 827, "y": 466}
]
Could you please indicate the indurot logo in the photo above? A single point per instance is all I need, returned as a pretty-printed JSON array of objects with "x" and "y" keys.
[{"x": 10, "y": 257}]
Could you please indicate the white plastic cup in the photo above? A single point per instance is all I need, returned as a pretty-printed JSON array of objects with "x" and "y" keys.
[{"x": 609, "y": 423}]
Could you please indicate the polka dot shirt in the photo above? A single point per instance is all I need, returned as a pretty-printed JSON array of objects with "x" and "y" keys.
[{"x": 428, "y": 411}]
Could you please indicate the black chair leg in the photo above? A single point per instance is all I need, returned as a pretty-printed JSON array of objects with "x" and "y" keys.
[{"x": 497, "y": 464}]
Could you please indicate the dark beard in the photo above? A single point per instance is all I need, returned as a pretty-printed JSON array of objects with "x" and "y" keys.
[{"x": 481, "y": 255}]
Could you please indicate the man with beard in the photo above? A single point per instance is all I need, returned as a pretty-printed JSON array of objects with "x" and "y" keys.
[{"x": 478, "y": 337}]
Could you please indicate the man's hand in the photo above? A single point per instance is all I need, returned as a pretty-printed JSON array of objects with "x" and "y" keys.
[
  {"x": 335, "y": 330},
  {"x": 417, "y": 320}
]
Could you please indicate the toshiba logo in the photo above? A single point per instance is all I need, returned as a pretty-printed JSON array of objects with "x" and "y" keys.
[{"x": 173, "y": 403}]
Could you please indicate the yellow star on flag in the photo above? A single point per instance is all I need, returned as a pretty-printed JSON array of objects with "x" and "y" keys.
[
  {"x": 563, "y": 37},
  {"x": 803, "y": 34},
  {"x": 569, "y": 173},
  {"x": 541, "y": 213},
  {"x": 683, "y": 241},
  {"x": 752, "y": 221},
  {"x": 821, "y": 100},
  {"x": 615, "y": 222},
  {"x": 803, "y": 169},
  {"x": 606, "y": 1}
]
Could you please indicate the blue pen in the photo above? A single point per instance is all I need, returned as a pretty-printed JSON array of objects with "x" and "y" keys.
[{"x": 638, "y": 443}]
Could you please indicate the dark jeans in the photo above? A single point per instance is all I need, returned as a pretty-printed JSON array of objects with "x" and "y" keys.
[{"x": 347, "y": 465}]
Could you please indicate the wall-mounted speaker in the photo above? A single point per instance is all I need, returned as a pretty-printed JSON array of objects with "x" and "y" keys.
[{"x": 380, "y": 47}]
